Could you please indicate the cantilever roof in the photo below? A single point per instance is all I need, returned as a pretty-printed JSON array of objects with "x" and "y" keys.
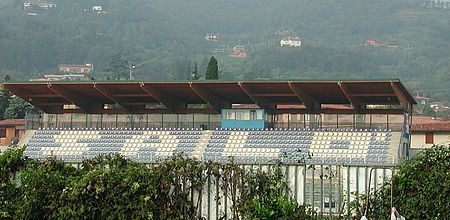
[{"x": 175, "y": 97}]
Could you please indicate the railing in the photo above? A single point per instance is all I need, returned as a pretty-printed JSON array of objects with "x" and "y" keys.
[
  {"x": 391, "y": 126},
  {"x": 207, "y": 122}
]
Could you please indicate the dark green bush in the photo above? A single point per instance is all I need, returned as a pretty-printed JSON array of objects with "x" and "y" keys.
[
  {"x": 421, "y": 188},
  {"x": 111, "y": 187}
]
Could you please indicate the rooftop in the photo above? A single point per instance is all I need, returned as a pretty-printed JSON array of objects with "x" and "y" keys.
[{"x": 137, "y": 97}]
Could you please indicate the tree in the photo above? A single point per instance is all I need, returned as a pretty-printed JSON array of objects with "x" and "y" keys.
[
  {"x": 212, "y": 70},
  {"x": 4, "y": 102},
  {"x": 119, "y": 66},
  {"x": 17, "y": 108},
  {"x": 5, "y": 96},
  {"x": 195, "y": 75},
  {"x": 420, "y": 187},
  {"x": 188, "y": 71}
]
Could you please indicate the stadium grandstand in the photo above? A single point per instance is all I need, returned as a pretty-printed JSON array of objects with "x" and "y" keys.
[{"x": 353, "y": 131}]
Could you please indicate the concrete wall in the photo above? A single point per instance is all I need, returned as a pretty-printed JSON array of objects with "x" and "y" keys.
[
  {"x": 243, "y": 124},
  {"x": 418, "y": 139}
]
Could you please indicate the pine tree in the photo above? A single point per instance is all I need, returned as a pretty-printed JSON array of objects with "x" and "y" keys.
[
  {"x": 188, "y": 71},
  {"x": 195, "y": 75},
  {"x": 5, "y": 97},
  {"x": 212, "y": 70}
]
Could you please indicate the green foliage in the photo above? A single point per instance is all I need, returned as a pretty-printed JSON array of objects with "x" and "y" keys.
[
  {"x": 109, "y": 192},
  {"x": 188, "y": 71},
  {"x": 17, "y": 108},
  {"x": 10, "y": 162},
  {"x": 8, "y": 194},
  {"x": 4, "y": 102},
  {"x": 427, "y": 110},
  {"x": 119, "y": 67},
  {"x": 111, "y": 187},
  {"x": 421, "y": 187},
  {"x": 41, "y": 187},
  {"x": 212, "y": 70},
  {"x": 195, "y": 74},
  {"x": 159, "y": 33},
  {"x": 264, "y": 196}
]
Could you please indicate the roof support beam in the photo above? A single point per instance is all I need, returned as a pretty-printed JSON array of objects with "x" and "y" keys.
[
  {"x": 43, "y": 96},
  {"x": 355, "y": 101},
  {"x": 215, "y": 102},
  {"x": 258, "y": 100},
  {"x": 312, "y": 105},
  {"x": 373, "y": 94},
  {"x": 131, "y": 95},
  {"x": 110, "y": 97},
  {"x": 84, "y": 106},
  {"x": 171, "y": 103},
  {"x": 274, "y": 94},
  {"x": 404, "y": 102}
]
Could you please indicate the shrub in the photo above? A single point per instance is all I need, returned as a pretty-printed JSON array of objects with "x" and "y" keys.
[{"x": 421, "y": 187}]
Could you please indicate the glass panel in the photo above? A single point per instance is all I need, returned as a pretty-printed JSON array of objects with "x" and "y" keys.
[
  {"x": 259, "y": 114},
  {"x": 185, "y": 120},
  {"x": 95, "y": 121},
  {"x": 123, "y": 121},
  {"x": 78, "y": 121},
  {"x": 253, "y": 115},
  {"x": 201, "y": 121},
  {"x": 139, "y": 120},
  {"x": 230, "y": 114},
  {"x": 379, "y": 121},
  {"x": 396, "y": 122},
  {"x": 214, "y": 121},
  {"x": 330, "y": 120},
  {"x": 360, "y": 121},
  {"x": 109, "y": 121},
  {"x": 154, "y": 121},
  {"x": 170, "y": 121}
]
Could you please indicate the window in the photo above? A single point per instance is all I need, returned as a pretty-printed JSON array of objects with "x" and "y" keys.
[
  {"x": 230, "y": 115},
  {"x": 429, "y": 138},
  {"x": 252, "y": 114},
  {"x": 3, "y": 133}
]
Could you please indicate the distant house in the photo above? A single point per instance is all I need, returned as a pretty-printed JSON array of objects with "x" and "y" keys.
[
  {"x": 238, "y": 51},
  {"x": 290, "y": 41},
  {"x": 42, "y": 4},
  {"x": 427, "y": 131},
  {"x": 212, "y": 37},
  {"x": 64, "y": 77},
  {"x": 372, "y": 43},
  {"x": 86, "y": 68},
  {"x": 26, "y": 5},
  {"x": 439, "y": 107},
  {"x": 97, "y": 9},
  {"x": 11, "y": 130},
  {"x": 443, "y": 4}
]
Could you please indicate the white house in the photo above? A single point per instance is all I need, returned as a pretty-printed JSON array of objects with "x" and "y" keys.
[
  {"x": 97, "y": 8},
  {"x": 212, "y": 37},
  {"x": 291, "y": 41}
]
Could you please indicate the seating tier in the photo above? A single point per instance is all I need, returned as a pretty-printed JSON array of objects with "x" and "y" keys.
[{"x": 327, "y": 146}]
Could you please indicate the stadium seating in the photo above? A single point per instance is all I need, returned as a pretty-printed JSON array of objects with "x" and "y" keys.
[{"x": 248, "y": 146}]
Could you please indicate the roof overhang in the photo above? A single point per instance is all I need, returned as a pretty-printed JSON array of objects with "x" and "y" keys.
[{"x": 191, "y": 97}]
